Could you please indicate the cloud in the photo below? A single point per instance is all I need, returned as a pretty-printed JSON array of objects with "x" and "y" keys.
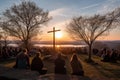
[
  {"x": 59, "y": 24},
  {"x": 108, "y": 6},
  {"x": 58, "y": 12},
  {"x": 90, "y": 6},
  {"x": 69, "y": 12},
  {"x": 60, "y": 16}
]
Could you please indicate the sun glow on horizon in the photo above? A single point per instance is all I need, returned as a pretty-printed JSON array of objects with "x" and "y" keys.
[{"x": 58, "y": 34}]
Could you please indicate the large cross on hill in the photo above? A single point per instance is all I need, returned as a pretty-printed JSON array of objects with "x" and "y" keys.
[{"x": 53, "y": 31}]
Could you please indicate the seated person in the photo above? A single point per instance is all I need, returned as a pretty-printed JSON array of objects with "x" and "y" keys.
[
  {"x": 37, "y": 64},
  {"x": 114, "y": 56},
  {"x": 106, "y": 56},
  {"x": 76, "y": 66},
  {"x": 60, "y": 65},
  {"x": 22, "y": 60}
]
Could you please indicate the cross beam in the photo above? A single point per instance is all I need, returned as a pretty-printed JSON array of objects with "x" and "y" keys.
[{"x": 53, "y": 31}]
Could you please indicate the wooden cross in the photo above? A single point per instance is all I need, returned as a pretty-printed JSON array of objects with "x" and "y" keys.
[{"x": 53, "y": 36}]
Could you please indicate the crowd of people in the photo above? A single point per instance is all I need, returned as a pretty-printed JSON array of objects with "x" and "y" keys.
[
  {"x": 108, "y": 55},
  {"x": 23, "y": 62},
  {"x": 7, "y": 52},
  {"x": 22, "y": 58}
]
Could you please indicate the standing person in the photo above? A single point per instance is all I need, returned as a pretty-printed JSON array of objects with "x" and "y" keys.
[
  {"x": 60, "y": 65},
  {"x": 22, "y": 60},
  {"x": 76, "y": 65},
  {"x": 37, "y": 64}
]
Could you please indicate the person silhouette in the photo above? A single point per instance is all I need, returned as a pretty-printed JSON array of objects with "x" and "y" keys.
[
  {"x": 37, "y": 64},
  {"x": 60, "y": 65},
  {"x": 22, "y": 60},
  {"x": 76, "y": 65}
]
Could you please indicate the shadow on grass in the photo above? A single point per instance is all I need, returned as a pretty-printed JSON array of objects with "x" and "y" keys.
[
  {"x": 117, "y": 63},
  {"x": 5, "y": 78},
  {"x": 62, "y": 77},
  {"x": 108, "y": 72},
  {"x": 5, "y": 61}
]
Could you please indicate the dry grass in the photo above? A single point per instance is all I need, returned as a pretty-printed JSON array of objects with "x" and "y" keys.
[{"x": 102, "y": 71}]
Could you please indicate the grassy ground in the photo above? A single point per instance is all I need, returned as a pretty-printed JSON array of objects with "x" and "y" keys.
[{"x": 102, "y": 71}]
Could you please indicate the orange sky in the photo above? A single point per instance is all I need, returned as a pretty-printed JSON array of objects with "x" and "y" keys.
[
  {"x": 63, "y": 11},
  {"x": 113, "y": 35}
]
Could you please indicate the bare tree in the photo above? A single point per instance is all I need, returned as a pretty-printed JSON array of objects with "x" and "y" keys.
[
  {"x": 24, "y": 21},
  {"x": 90, "y": 28},
  {"x": 4, "y": 36}
]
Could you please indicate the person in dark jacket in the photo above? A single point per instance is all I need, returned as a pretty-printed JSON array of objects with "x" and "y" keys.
[
  {"x": 22, "y": 60},
  {"x": 60, "y": 65},
  {"x": 37, "y": 64}
]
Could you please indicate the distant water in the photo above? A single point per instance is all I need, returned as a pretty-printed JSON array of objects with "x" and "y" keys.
[
  {"x": 68, "y": 45},
  {"x": 13, "y": 45},
  {"x": 46, "y": 45}
]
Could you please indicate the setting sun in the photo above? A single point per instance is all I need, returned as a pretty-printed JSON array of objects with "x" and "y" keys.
[{"x": 58, "y": 35}]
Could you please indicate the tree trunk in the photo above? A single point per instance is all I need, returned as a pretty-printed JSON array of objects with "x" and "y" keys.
[
  {"x": 90, "y": 53},
  {"x": 26, "y": 44},
  {"x": 5, "y": 43}
]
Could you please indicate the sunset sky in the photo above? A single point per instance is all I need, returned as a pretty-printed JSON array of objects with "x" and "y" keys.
[{"x": 62, "y": 11}]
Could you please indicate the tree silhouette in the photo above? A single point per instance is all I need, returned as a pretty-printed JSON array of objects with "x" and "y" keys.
[
  {"x": 90, "y": 28},
  {"x": 4, "y": 36},
  {"x": 24, "y": 21}
]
